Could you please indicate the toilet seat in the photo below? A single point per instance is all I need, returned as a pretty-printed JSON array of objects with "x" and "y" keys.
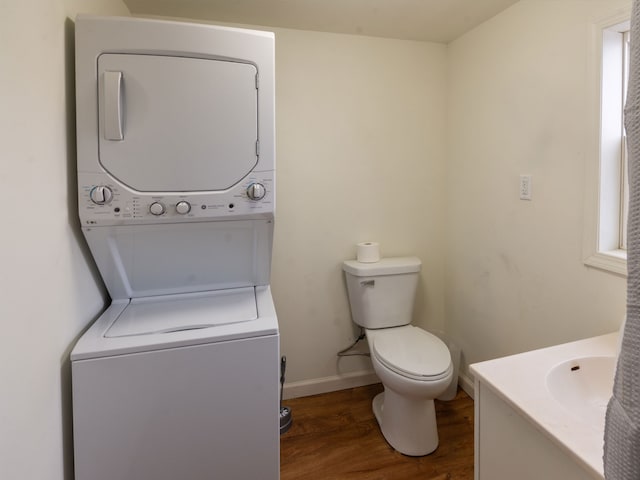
[{"x": 412, "y": 352}]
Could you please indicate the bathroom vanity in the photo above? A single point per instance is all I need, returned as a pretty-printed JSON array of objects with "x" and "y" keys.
[{"x": 540, "y": 414}]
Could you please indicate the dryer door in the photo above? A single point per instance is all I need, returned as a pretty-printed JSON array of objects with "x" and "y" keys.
[{"x": 176, "y": 124}]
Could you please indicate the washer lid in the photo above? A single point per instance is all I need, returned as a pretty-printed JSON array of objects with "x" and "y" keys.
[
  {"x": 175, "y": 313},
  {"x": 412, "y": 352}
]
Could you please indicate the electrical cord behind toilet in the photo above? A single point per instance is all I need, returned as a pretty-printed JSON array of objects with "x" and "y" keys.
[{"x": 346, "y": 353}]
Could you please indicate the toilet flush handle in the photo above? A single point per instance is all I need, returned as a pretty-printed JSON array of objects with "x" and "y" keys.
[{"x": 368, "y": 283}]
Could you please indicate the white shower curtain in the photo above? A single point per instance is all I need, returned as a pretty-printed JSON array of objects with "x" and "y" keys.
[{"x": 622, "y": 428}]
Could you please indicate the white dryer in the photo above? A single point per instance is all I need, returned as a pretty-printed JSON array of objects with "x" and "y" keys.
[{"x": 178, "y": 378}]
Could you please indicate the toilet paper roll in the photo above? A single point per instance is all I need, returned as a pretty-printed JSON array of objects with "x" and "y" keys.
[{"x": 368, "y": 252}]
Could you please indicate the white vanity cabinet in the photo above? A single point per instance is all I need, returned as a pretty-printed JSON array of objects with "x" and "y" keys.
[
  {"x": 510, "y": 446},
  {"x": 524, "y": 431}
]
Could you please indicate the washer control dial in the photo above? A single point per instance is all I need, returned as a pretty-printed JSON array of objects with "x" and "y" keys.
[
  {"x": 156, "y": 208},
  {"x": 256, "y": 191},
  {"x": 101, "y": 195},
  {"x": 183, "y": 207}
]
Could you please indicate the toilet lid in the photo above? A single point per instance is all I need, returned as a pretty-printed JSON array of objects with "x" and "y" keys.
[{"x": 412, "y": 352}]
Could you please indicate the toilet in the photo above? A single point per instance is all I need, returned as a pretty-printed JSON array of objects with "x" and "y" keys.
[{"x": 413, "y": 365}]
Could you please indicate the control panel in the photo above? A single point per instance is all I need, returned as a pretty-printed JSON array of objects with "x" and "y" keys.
[{"x": 104, "y": 201}]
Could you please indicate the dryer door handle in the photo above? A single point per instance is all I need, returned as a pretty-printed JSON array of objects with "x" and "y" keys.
[{"x": 112, "y": 103}]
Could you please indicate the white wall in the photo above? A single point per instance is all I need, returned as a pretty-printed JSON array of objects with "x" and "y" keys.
[
  {"x": 518, "y": 103},
  {"x": 360, "y": 156},
  {"x": 48, "y": 292}
]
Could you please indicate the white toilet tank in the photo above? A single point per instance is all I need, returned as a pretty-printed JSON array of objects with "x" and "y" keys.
[{"x": 381, "y": 294}]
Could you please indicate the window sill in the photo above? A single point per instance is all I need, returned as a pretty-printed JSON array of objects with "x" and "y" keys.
[{"x": 614, "y": 261}]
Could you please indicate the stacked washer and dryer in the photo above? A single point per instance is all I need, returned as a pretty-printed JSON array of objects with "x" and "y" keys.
[{"x": 178, "y": 378}]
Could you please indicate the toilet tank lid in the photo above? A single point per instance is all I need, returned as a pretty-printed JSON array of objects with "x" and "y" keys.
[{"x": 386, "y": 266}]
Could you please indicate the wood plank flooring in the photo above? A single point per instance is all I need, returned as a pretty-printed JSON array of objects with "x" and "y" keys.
[{"x": 335, "y": 436}]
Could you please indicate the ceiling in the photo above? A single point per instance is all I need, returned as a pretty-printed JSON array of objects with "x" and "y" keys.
[{"x": 425, "y": 20}]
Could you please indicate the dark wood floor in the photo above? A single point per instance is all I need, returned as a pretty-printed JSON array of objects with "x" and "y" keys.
[{"x": 335, "y": 437}]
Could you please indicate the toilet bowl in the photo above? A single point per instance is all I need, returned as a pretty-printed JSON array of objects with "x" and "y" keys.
[
  {"x": 413, "y": 374},
  {"x": 413, "y": 365}
]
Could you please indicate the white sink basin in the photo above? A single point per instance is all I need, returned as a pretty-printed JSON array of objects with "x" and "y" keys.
[{"x": 583, "y": 386}]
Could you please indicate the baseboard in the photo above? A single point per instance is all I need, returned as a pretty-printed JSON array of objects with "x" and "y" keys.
[
  {"x": 466, "y": 383},
  {"x": 315, "y": 386}
]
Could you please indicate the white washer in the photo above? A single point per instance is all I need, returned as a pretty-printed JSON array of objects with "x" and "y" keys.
[
  {"x": 178, "y": 378},
  {"x": 152, "y": 401}
]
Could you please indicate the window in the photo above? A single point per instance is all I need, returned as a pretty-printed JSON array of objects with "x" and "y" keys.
[{"x": 607, "y": 193}]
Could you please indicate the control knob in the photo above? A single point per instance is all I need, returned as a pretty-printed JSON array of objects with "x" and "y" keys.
[
  {"x": 256, "y": 191},
  {"x": 183, "y": 207},
  {"x": 101, "y": 195},
  {"x": 156, "y": 208}
]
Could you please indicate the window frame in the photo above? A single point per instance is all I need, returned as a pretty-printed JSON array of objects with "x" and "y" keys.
[{"x": 605, "y": 223}]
